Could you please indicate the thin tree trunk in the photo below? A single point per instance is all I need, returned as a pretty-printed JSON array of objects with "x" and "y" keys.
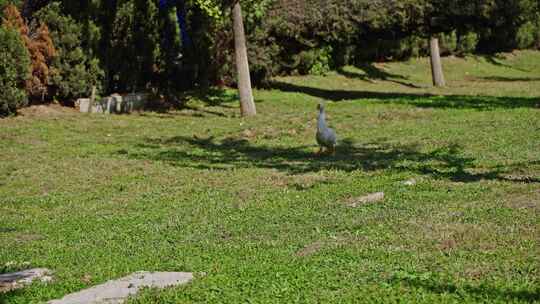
[
  {"x": 436, "y": 67},
  {"x": 247, "y": 105}
]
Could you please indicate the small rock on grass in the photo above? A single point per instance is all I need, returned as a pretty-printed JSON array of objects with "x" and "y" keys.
[{"x": 370, "y": 198}]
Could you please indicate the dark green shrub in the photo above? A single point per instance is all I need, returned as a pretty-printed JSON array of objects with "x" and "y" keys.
[
  {"x": 134, "y": 45},
  {"x": 467, "y": 43},
  {"x": 537, "y": 34},
  {"x": 75, "y": 73},
  {"x": 314, "y": 61},
  {"x": 323, "y": 62},
  {"x": 262, "y": 57},
  {"x": 14, "y": 71},
  {"x": 528, "y": 35}
]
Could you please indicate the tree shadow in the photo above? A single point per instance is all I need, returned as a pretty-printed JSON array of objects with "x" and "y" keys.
[
  {"x": 481, "y": 291},
  {"x": 424, "y": 100},
  {"x": 209, "y": 153},
  {"x": 493, "y": 59},
  {"x": 215, "y": 97},
  {"x": 186, "y": 110},
  {"x": 179, "y": 105},
  {"x": 7, "y": 229},
  {"x": 510, "y": 79},
  {"x": 372, "y": 73}
]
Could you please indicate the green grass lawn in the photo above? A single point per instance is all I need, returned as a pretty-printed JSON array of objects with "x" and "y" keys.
[{"x": 247, "y": 206}]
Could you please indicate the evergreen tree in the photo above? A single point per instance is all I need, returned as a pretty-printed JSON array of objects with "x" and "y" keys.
[
  {"x": 14, "y": 71},
  {"x": 75, "y": 73},
  {"x": 135, "y": 46},
  {"x": 41, "y": 50}
]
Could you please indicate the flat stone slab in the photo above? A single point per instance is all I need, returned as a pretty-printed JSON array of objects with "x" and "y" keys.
[
  {"x": 19, "y": 279},
  {"x": 117, "y": 291}
]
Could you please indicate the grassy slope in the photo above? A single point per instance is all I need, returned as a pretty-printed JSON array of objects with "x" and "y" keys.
[{"x": 246, "y": 202}]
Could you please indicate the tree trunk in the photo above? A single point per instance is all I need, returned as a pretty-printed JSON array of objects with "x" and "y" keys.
[
  {"x": 436, "y": 67},
  {"x": 247, "y": 105}
]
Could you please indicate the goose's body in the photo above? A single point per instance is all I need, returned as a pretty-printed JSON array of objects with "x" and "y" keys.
[{"x": 326, "y": 137}]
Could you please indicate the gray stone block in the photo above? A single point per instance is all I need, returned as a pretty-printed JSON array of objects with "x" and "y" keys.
[
  {"x": 114, "y": 104},
  {"x": 97, "y": 108},
  {"x": 83, "y": 104},
  {"x": 109, "y": 104}
]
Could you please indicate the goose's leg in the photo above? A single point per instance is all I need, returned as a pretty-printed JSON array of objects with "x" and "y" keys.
[
  {"x": 320, "y": 151},
  {"x": 333, "y": 151}
]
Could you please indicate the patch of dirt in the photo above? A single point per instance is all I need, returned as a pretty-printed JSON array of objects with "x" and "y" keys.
[
  {"x": 529, "y": 201},
  {"x": 270, "y": 133},
  {"x": 476, "y": 272},
  {"x": 332, "y": 242},
  {"x": 310, "y": 249},
  {"x": 307, "y": 181},
  {"x": 463, "y": 236},
  {"x": 447, "y": 244},
  {"x": 299, "y": 182},
  {"x": 366, "y": 199},
  {"x": 27, "y": 237},
  {"x": 414, "y": 114},
  {"x": 248, "y": 134},
  {"x": 381, "y": 66},
  {"x": 469, "y": 78},
  {"x": 521, "y": 178},
  {"x": 50, "y": 110},
  {"x": 277, "y": 179},
  {"x": 244, "y": 197},
  {"x": 87, "y": 279},
  {"x": 509, "y": 55}
]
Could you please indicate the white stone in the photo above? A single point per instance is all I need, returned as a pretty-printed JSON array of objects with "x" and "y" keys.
[
  {"x": 109, "y": 104},
  {"x": 19, "y": 279},
  {"x": 117, "y": 291},
  {"x": 83, "y": 104}
]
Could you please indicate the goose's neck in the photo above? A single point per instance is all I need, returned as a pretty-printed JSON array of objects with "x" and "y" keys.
[{"x": 321, "y": 120}]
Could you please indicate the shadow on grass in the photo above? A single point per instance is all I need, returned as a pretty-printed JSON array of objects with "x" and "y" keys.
[
  {"x": 495, "y": 60},
  {"x": 208, "y": 153},
  {"x": 373, "y": 73},
  {"x": 509, "y": 79},
  {"x": 219, "y": 99},
  {"x": 7, "y": 229},
  {"x": 419, "y": 100},
  {"x": 483, "y": 292},
  {"x": 180, "y": 105},
  {"x": 186, "y": 111},
  {"x": 215, "y": 97}
]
